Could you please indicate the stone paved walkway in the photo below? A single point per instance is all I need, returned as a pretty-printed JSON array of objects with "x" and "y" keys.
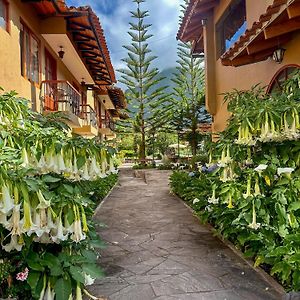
[{"x": 158, "y": 250}]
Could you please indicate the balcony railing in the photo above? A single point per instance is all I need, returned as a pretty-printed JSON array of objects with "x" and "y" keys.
[
  {"x": 107, "y": 123},
  {"x": 88, "y": 115},
  {"x": 59, "y": 95}
]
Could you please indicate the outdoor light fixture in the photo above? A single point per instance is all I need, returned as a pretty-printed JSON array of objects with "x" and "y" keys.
[
  {"x": 198, "y": 55},
  {"x": 278, "y": 55},
  {"x": 61, "y": 52}
]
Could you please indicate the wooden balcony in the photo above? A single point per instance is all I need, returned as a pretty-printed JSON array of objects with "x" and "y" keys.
[
  {"x": 61, "y": 96},
  {"x": 107, "y": 127},
  {"x": 89, "y": 121}
]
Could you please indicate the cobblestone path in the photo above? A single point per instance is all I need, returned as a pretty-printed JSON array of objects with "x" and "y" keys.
[{"x": 158, "y": 250}]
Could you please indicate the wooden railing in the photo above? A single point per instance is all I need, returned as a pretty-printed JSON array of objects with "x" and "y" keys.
[
  {"x": 88, "y": 115},
  {"x": 108, "y": 123},
  {"x": 60, "y": 95}
]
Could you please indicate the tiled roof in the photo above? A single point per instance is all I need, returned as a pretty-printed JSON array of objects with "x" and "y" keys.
[
  {"x": 195, "y": 9},
  {"x": 255, "y": 45},
  {"x": 85, "y": 29}
]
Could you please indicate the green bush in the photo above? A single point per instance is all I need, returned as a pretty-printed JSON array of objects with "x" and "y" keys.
[{"x": 250, "y": 188}]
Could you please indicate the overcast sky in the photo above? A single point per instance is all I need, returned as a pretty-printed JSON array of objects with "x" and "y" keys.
[{"x": 114, "y": 16}]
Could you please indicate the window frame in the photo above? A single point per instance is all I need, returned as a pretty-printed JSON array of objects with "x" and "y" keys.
[
  {"x": 219, "y": 27},
  {"x": 7, "y": 16},
  {"x": 32, "y": 36},
  {"x": 274, "y": 81}
]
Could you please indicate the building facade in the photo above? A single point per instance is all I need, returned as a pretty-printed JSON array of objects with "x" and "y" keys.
[
  {"x": 245, "y": 43},
  {"x": 57, "y": 57}
]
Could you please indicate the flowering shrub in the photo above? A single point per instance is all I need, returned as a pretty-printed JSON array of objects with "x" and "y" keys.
[
  {"x": 47, "y": 183},
  {"x": 251, "y": 195}
]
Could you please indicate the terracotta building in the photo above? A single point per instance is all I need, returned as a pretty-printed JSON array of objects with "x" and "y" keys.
[
  {"x": 245, "y": 42},
  {"x": 57, "y": 57}
]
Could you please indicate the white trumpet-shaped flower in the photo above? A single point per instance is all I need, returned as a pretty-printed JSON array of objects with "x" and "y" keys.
[
  {"x": 7, "y": 201},
  {"x": 196, "y": 200},
  {"x": 59, "y": 234},
  {"x": 14, "y": 225},
  {"x": 49, "y": 294},
  {"x": 78, "y": 292},
  {"x": 25, "y": 159},
  {"x": 86, "y": 175},
  {"x": 287, "y": 171},
  {"x": 42, "y": 165},
  {"x": 3, "y": 219},
  {"x": 112, "y": 168},
  {"x": 260, "y": 168},
  {"x": 254, "y": 225},
  {"x": 16, "y": 243},
  {"x": 43, "y": 203},
  {"x": 248, "y": 192},
  {"x": 88, "y": 280},
  {"x": 61, "y": 163},
  {"x": 78, "y": 234},
  {"x": 257, "y": 188},
  {"x": 213, "y": 199}
]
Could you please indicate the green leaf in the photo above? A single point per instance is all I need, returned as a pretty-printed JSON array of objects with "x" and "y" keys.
[
  {"x": 34, "y": 262},
  {"x": 63, "y": 289},
  {"x": 80, "y": 162},
  {"x": 93, "y": 270},
  {"x": 282, "y": 268},
  {"x": 90, "y": 255},
  {"x": 279, "y": 251},
  {"x": 51, "y": 179},
  {"x": 294, "y": 258},
  {"x": 33, "y": 279},
  {"x": 294, "y": 206},
  {"x": 296, "y": 280},
  {"x": 68, "y": 188},
  {"x": 77, "y": 274},
  {"x": 53, "y": 263}
]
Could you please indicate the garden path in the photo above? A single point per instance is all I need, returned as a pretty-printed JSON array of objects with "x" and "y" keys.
[{"x": 158, "y": 250}]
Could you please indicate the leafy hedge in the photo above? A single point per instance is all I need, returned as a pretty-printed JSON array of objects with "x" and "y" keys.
[
  {"x": 50, "y": 185},
  {"x": 250, "y": 188}
]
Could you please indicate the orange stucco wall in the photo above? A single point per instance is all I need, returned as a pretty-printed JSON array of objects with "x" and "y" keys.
[
  {"x": 228, "y": 78},
  {"x": 10, "y": 61}
]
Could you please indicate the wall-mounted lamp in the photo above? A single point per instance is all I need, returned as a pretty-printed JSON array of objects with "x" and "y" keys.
[
  {"x": 203, "y": 22},
  {"x": 278, "y": 55},
  {"x": 82, "y": 81},
  {"x": 198, "y": 55},
  {"x": 61, "y": 52}
]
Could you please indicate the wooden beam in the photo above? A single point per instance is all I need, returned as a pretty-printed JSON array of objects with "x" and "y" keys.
[
  {"x": 249, "y": 59},
  {"x": 282, "y": 28},
  {"x": 85, "y": 36},
  {"x": 294, "y": 10},
  {"x": 193, "y": 33},
  {"x": 202, "y": 7},
  {"x": 262, "y": 45}
]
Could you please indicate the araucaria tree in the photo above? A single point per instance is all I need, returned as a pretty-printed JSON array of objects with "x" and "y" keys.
[
  {"x": 142, "y": 80},
  {"x": 189, "y": 93}
]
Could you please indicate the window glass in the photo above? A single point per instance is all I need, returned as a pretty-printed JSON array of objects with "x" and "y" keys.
[
  {"x": 30, "y": 60},
  {"x": 231, "y": 26},
  {"x": 3, "y": 14},
  {"x": 34, "y": 57},
  {"x": 279, "y": 79}
]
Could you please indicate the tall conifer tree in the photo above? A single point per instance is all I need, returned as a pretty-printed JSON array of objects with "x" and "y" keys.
[
  {"x": 142, "y": 80},
  {"x": 188, "y": 105}
]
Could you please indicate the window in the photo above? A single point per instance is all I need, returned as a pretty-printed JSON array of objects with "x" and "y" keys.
[
  {"x": 231, "y": 26},
  {"x": 280, "y": 77},
  {"x": 30, "y": 55},
  {"x": 4, "y": 18}
]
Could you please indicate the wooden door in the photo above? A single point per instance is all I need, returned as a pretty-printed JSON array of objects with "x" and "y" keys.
[{"x": 51, "y": 76}]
